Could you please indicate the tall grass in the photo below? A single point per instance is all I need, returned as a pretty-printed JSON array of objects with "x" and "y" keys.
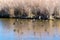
[{"x": 32, "y": 6}]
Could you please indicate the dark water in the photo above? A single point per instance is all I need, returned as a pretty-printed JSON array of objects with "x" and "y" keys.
[{"x": 22, "y": 29}]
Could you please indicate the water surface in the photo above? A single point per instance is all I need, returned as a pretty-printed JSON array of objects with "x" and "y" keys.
[{"x": 22, "y": 29}]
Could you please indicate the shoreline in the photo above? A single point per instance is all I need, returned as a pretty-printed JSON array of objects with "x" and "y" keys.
[{"x": 28, "y": 18}]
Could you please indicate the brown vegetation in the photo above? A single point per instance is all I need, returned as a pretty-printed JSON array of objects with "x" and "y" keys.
[{"x": 30, "y": 8}]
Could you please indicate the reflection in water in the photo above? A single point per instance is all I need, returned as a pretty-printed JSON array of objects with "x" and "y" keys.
[{"x": 11, "y": 29}]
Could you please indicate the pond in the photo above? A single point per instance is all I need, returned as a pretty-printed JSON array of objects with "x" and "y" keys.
[{"x": 26, "y": 29}]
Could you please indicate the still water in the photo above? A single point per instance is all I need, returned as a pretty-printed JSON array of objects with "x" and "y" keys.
[{"x": 22, "y": 29}]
